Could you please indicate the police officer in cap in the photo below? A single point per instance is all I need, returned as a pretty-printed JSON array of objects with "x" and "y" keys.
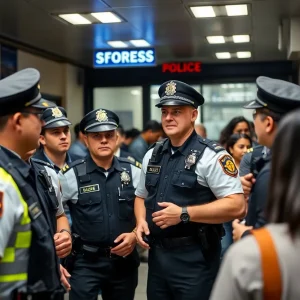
[
  {"x": 29, "y": 264},
  {"x": 274, "y": 99},
  {"x": 188, "y": 187},
  {"x": 99, "y": 191}
]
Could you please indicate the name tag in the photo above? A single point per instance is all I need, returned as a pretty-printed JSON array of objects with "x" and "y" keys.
[
  {"x": 89, "y": 189},
  {"x": 153, "y": 169},
  {"x": 34, "y": 210}
]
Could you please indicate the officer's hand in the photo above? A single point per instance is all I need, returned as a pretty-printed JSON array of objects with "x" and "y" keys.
[
  {"x": 63, "y": 244},
  {"x": 247, "y": 183},
  {"x": 167, "y": 217},
  {"x": 239, "y": 229},
  {"x": 64, "y": 276},
  {"x": 142, "y": 229},
  {"x": 127, "y": 245}
]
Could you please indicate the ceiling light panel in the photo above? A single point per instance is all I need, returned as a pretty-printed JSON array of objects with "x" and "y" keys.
[
  {"x": 243, "y": 54},
  {"x": 75, "y": 19},
  {"x": 241, "y": 38},
  {"x": 237, "y": 10},
  {"x": 203, "y": 11},
  {"x": 223, "y": 55},
  {"x": 216, "y": 39},
  {"x": 106, "y": 17},
  {"x": 117, "y": 44},
  {"x": 139, "y": 43}
]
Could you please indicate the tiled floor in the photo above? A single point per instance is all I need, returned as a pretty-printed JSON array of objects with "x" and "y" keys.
[{"x": 140, "y": 293}]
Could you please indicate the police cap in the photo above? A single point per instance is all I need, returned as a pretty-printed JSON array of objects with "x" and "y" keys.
[
  {"x": 175, "y": 92},
  {"x": 276, "y": 95},
  {"x": 20, "y": 91},
  {"x": 55, "y": 117},
  {"x": 99, "y": 120}
]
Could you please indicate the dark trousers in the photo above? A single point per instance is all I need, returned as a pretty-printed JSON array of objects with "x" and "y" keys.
[
  {"x": 40, "y": 296},
  {"x": 117, "y": 278},
  {"x": 181, "y": 273}
]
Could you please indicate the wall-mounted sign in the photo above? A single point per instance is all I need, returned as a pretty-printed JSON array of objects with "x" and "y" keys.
[
  {"x": 124, "y": 58},
  {"x": 182, "y": 67}
]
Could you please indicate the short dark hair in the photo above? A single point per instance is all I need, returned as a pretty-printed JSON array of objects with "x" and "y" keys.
[
  {"x": 283, "y": 204},
  {"x": 269, "y": 113},
  {"x": 120, "y": 130},
  {"x": 234, "y": 138},
  {"x": 153, "y": 126},
  {"x": 3, "y": 122},
  {"x": 77, "y": 130},
  {"x": 228, "y": 129},
  {"x": 132, "y": 133}
]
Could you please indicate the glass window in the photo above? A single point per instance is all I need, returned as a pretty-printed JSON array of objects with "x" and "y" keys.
[
  {"x": 224, "y": 102},
  {"x": 154, "y": 98},
  {"x": 126, "y": 102}
]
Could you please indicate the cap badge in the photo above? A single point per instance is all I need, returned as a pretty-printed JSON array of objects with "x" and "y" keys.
[
  {"x": 101, "y": 116},
  {"x": 56, "y": 112},
  {"x": 45, "y": 104},
  {"x": 171, "y": 88}
]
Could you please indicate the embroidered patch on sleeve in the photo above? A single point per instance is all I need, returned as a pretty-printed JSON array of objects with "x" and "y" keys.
[
  {"x": 228, "y": 165},
  {"x": 1, "y": 203}
]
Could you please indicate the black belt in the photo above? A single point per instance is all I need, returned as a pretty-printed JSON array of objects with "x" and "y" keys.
[
  {"x": 91, "y": 251},
  {"x": 175, "y": 242}
]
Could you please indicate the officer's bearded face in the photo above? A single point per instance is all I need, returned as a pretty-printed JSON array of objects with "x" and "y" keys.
[
  {"x": 102, "y": 144},
  {"x": 178, "y": 120}
]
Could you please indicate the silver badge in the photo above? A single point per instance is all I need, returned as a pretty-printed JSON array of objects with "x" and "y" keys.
[
  {"x": 190, "y": 161},
  {"x": 125, "y": 178},
  {"x": 56, "y": 112}
]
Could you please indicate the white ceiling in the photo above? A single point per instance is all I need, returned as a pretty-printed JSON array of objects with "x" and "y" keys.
[{"x": 167, "y": 24}]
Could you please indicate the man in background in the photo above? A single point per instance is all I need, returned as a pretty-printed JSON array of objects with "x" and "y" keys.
[{"x": 78, "y": 148}]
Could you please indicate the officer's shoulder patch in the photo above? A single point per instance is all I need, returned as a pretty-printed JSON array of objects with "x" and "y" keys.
[
  {"x": 66, "y": 168},
  {"x": 213, "y": 145},
  {"x": 1, "y": 203},
  {"x": 228, "y": 165},
  {"x": 250, "y": 150},
  {"x": 42, "y": 162},
  {"x": 159, "y": 143}
]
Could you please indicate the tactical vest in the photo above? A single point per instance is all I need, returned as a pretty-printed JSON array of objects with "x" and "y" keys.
[
  {"x": 105, "y": 206},
  {"x": 14, "y": 263},
  {"x": 172, "y": 178},
  {"x": 43, "y": 271}
]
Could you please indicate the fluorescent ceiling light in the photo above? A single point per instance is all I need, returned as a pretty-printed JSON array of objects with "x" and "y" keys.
[
  {"x": 216, "y": 39},
  {"x": 139, "y": 43},
  {"x": 75, "y": 19},
  {"x": 237, "y": 10},
  {"x": 223, "y": 55},
  {"x": 106, "y": 17},
  {"x": 241, "y": 38},
  {"x": 203, "y": 11},
  {"x": 243, "y": 54},
  {"x": 117, "y": 44}
]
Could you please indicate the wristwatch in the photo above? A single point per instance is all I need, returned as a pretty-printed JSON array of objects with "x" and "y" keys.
[{"x": 185, "y": 217}]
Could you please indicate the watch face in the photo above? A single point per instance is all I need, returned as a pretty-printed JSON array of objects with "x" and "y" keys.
[{"x": 185, "y": 217}]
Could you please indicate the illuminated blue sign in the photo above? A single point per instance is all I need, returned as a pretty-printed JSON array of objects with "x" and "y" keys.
[{"x": 124, "y": 58}]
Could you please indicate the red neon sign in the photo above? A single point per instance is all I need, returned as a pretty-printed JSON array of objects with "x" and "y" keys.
[{"x": 182, "y": 67}]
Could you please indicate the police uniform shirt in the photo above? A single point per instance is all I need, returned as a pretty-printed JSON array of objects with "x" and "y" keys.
[
  {"x": 240, "y": 276},
  {"x": 69, "y": 183},
  {"x": 210, "y": 173},
  {"x": 12, "y": 210}
]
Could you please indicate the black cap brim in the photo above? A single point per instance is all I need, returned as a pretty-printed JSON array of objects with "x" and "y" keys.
[
  {"x": 102, "y": 128},
  {"x": 58, "y": 123},
  {"x": 173, "y": 102},
  {"x": 43, "y": 104},
  {"x": 254, "y": 104}
]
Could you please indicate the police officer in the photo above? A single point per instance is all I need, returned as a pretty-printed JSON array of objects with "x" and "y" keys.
[
  {"x": 55, "y": 138},
  {"x": 274, "y": 99},
  {"x": 27, "y": 254},
  {"x": 99, "y": 191},
  {"x": 188, "y": 187}
]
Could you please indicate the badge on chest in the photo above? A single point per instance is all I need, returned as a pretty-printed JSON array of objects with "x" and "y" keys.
[
  {"x": 153, "y": 169},
  {"x": 89, "y": 189}
]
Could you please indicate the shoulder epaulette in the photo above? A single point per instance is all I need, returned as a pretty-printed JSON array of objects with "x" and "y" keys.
[
  {"x": 42, "y": 162},
  {"x": 161, "y": 142},
  {"x": 72, "y": 164},
  {"x": 213, "y": 145},
  {"x": 134, "y": 163}
]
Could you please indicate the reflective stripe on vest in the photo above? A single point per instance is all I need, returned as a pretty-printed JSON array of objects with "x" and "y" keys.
[{"x": 14, "y": 264}]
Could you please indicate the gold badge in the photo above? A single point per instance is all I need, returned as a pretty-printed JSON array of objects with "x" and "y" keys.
[
  {"x": 101, "y": 116},
  {"x": 56, "y": 112},
  {"x": 125, "y": 178},
  {"x": 171, "y": 88},
  {"x": 228, "y": 165},
  {"x": 45, "y": 104}
]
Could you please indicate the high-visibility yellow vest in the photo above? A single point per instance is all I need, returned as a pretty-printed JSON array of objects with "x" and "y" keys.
[{"x": 14, "y": 263}]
